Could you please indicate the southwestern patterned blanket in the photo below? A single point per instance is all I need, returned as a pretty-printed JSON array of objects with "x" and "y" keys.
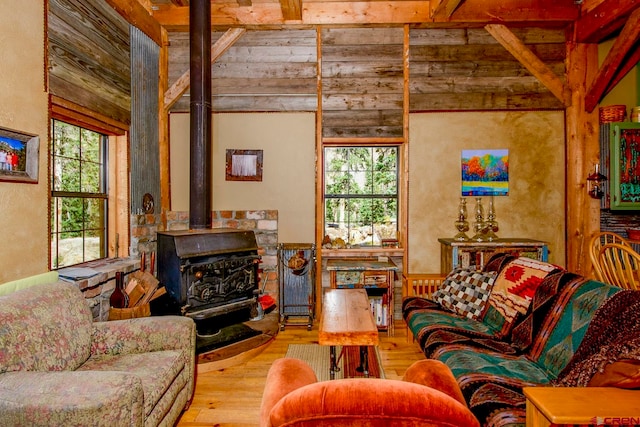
[{"x": 551, "y": 343}]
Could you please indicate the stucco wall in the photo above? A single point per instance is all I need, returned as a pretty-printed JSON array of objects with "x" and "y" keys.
[
  {"x": 535, "y": 206},
  {"x": 23, "y": 107},
  {"x": 288, "y": 179}
]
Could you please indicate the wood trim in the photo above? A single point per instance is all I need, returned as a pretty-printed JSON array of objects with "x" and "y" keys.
[
  {"x": 403, "y": 211},
  {"x": 119, "y": 197},
  {"x": 384, "y": 12},
  {"x": 621, "y": 47},
  {"x": 444, "y": 8},
  {"x": 163, "y": 128},
  {"x": 530, "y": 61},
  {"x": 630, "y": 64},
  {"x": 319, "y": 175},
  {"x": 138, "y": 16},
  {"x": 362, "y": 141},
  {"x": 180, "y": 86},
  {"x": 601, "y": 21},
  {"x": 291, "y": 10},
  {"x": 76, "y": 114}
]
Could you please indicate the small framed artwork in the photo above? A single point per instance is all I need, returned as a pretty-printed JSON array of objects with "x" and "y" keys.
[
  {"x": 625, "y": 166},
  {"x": 485, "y": 172},
  {"x": 244, "y": 165},
  {"x": 19, "y": 154}
]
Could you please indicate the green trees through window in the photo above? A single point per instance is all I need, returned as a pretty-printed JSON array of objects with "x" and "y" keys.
[
  {"x": 361, "y": 194},
  {"x": 78, "y": 195}
]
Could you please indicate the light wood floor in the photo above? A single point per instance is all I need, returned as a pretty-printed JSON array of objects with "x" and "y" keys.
[{"x": 231, "y": 396}]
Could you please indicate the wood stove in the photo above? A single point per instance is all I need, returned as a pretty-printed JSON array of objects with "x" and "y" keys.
[{"x": 209, "y": 272}]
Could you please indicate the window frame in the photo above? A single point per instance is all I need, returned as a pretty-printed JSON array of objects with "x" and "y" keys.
[
  {"x": 116, "y": 171},
  {"x": 397, "y": 196},
  {"x": 102, "y": 229}
]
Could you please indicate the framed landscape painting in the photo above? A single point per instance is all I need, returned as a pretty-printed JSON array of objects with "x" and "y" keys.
[
  {"x": 18, "y": 156},
  {"x": 485, "y": 172}
]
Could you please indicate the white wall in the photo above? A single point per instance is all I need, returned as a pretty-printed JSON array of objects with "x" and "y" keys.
[
  {"x": 23, "y": 107},
  {"x": 288, "y": 180}
]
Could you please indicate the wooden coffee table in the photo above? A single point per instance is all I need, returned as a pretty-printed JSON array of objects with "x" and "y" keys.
[{"x": 347, "y": 320}]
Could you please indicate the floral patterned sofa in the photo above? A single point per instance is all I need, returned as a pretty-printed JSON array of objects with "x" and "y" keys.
[
  {"x": 524, "y": 323},
  {"x": 58, "y": 367}
]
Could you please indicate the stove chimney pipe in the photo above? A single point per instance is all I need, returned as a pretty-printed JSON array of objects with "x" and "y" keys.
[{"x": 200, "y": 114}]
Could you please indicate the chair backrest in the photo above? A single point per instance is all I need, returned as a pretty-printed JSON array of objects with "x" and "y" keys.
[
  {"x": 597, "y": 242},
  {"x": 620, "y": 265}
]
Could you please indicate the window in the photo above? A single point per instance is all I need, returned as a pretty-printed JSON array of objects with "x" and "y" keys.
[
  {"x": 361, "y": 194},
  {"x": 78, "y": 195}
]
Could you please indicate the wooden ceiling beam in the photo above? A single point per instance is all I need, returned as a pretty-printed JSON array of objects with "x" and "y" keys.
[
  {"x": 630, "y": 63},
  {"x": 383, "y": 12},
  {"x": 544, "y": 12},
  {"x": 444, "y": 8},
  {"x": 530, "y": 61},
  {"x": 603, "y": 20},
  {"x": 291, "y": 10},
  {"x": 136, "y": 14},
  {"x": 615, "y": 58},
  {"x": 180, "y": 86}
]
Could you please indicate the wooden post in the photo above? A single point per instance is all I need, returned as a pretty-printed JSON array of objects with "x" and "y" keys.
[
  {"x": 163, "y": 129},
  {"x": 583, "y": 212}
]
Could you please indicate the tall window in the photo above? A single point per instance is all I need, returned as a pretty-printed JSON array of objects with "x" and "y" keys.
[
  {"x": 361, "y": 194},
  {"x": 78, "y": 195}
]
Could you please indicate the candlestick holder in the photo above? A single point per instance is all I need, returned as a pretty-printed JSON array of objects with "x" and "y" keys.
[
  {"x": 491, "y": 223},
  {"x": 462, "y": 225},
  {"x": 479, "y": 226}
]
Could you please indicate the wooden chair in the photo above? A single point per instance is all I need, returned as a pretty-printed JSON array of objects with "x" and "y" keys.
[
  {"x": 599, "y": 240},
  {"x": 620, "y": 265}
]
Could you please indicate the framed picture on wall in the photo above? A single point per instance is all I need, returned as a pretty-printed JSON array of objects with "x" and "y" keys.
[
  {"x": 625, "y": 166},
  {"x": 244, "y": 165},
  {"x": 18, "y": 156},
  {"x": 485, "y": 172}
]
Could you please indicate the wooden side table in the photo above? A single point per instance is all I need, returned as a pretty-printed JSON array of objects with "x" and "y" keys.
[
  {"x": 582, "y": 405},
  {"x": 347, "y": 320}
]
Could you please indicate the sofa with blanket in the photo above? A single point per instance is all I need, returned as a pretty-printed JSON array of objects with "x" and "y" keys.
[
  {"x": 58, "y": 367},
  {"x": 522, "y": 322}
]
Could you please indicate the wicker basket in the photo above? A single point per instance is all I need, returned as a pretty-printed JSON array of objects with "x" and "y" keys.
[{"x": 613, "y": 113}]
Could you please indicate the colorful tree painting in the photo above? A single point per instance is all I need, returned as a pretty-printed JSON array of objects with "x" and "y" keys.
[{"x": 485, "y": 172}]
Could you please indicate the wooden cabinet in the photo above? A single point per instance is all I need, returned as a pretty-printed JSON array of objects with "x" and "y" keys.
[
  {"x": 454, "y": 254},
  {"x": 376, "y": 277}
]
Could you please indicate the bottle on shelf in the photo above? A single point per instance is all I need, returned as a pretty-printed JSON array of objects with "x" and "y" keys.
[{"x": 119, "y": 298}]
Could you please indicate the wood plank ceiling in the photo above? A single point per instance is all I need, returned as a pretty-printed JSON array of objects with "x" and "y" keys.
[
  {"x": 463, "y": 54},
  {"x": 589, "y": 21}
]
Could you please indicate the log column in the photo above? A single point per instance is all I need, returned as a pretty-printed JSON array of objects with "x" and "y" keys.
[{"x": 583, "y": 150}]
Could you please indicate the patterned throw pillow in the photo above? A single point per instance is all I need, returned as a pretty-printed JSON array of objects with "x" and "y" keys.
[
  {"x": 512, "y": 292},
  {"x": 465, "y": 292}
]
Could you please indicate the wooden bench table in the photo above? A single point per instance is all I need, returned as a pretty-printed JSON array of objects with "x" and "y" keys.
[{"x": 347, "y": 320}]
